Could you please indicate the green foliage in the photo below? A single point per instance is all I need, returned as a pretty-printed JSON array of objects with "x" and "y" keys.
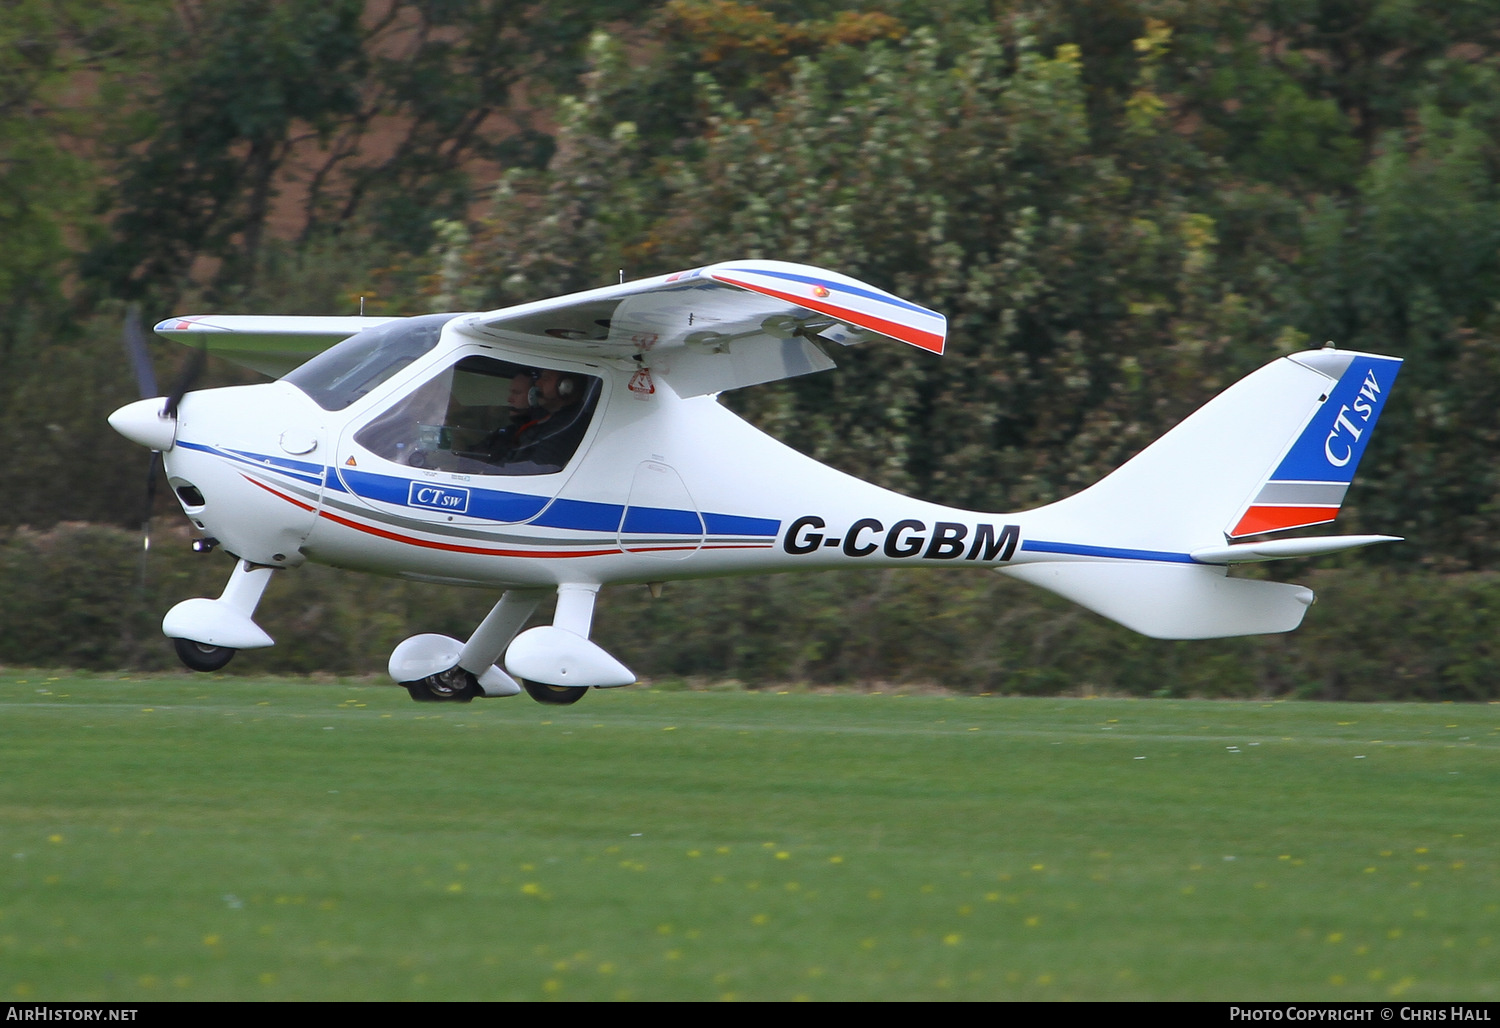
[
  {"x": 1410, "y": 264},
  {"x": 46, "y": 139},
  {"x": 1374, "y": 635},
  {"x": 1121, "y": 207},
  {"x": 159, "y": 152},
  {"x": 63, "y": 460},
  {"x": 77, "y": 595}
]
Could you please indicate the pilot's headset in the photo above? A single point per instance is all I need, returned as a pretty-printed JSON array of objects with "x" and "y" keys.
[{"x": 567, "y": 388}]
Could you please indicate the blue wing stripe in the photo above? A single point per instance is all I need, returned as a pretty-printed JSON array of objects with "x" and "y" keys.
[{"x": 842, "y": 287}]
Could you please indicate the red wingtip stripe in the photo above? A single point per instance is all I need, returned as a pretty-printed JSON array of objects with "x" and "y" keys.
[
  {"x": 917, "y": 337},
  {"x": 1261, "y": 518}
]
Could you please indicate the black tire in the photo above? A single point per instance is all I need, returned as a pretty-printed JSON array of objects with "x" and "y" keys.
[
  {"x": 201, "y": 656},
  {"x": 555, "y": 695},
  {"x": 453, "y": 686},
  {"x": 419, "y": 692}
]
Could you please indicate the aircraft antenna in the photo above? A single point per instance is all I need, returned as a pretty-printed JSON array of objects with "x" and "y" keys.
[
  {"x": 361, "y": 306},
  {"x": 622, "y": 276}
]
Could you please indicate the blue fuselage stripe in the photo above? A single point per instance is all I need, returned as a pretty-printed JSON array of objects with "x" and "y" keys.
[
  {"x": 512, "y": 507},
  {"x": 312, "y": 474},
  {"x": 1113, "y": 552}
]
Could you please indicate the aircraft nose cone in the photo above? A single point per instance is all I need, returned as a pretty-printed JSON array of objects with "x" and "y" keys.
[{"x": 142, "y": 422}]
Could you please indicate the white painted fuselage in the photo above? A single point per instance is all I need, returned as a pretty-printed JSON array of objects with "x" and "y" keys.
[{"x": 662, "y": 488}]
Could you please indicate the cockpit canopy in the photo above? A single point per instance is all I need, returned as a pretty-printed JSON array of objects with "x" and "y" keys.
[
  {"x": 343, "y": 373},
  {"x": 483, "y": 416}
]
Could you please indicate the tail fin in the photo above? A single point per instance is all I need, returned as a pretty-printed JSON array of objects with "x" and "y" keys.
[
  {"x": 1275, "y": 451},
  {"x": 1307, "y": 487}
]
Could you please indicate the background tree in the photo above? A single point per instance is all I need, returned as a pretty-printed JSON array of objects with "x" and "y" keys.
[{"x": 373, "y": 116}]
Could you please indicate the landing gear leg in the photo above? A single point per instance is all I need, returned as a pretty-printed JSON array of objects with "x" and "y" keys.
[
  {"x": 555, "y": 657},
  {"x": 208, "y": 633},
  {"x": 439, "y": 668},
  {"x": 481, "y": 654}
]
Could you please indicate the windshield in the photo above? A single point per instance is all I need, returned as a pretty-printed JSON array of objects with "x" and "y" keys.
[{"x": 343, "y": 373}]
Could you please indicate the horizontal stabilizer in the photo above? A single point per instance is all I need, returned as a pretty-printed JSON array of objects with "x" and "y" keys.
[
  {"x": 1171, "y": 601},
  {"x": 1281, "y": 549}
]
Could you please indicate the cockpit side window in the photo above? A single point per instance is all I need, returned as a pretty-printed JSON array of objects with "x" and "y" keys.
[
  {"x": 487, "y": 417},
  {"x": 342, "y": 374}
]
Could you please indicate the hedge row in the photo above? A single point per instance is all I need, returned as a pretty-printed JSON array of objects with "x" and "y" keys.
[{"x": 76, "y": 596}]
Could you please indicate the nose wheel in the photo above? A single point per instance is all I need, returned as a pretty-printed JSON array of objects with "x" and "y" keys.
[
  {"x": 555, "y": 695},
  {"x": 201, "y": 656}
]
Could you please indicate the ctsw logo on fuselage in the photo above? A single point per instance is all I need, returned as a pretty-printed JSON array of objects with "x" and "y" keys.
[
  {"x": 438, "y": 497},
  {"x": 948, "y": 540}
]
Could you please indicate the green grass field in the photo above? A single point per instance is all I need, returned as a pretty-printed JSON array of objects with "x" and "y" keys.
[{"x": 219, "y": 838}]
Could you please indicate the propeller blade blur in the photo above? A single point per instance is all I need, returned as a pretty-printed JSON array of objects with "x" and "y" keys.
[
  {"x": 139, "y": 353},
  {"x": 189, "y": 378}
]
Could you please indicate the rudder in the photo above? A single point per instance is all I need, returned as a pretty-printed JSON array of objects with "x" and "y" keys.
[{"x": 1307, "y": 487}]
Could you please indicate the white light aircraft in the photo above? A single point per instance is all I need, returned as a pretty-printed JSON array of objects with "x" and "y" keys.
[{"x": 574, "y": 443}]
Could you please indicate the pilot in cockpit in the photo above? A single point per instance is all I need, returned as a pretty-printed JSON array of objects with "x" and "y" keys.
[
  {"x": 521, "y": 411},
  {"x": 556, "y": 426},
  {"x": 487, "y": 417}
]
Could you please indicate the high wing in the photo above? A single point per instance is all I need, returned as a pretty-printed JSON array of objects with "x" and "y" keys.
[
  {"x": 270, "y": 344},
  {"x": 727, "y": 325},
  {"x": 719, "y": 327}
]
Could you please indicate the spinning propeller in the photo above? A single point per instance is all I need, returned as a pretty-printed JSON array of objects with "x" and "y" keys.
[{"x": 144, "y": 422}]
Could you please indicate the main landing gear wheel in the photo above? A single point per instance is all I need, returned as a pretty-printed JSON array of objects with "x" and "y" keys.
[
  {"x": 452, "y": 686},
  {"x": 556, "y": 695},
  {"x": 201, "y": 656}
]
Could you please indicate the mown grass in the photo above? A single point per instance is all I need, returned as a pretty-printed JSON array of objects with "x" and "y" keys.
[{"x": 202, "y": 838}]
